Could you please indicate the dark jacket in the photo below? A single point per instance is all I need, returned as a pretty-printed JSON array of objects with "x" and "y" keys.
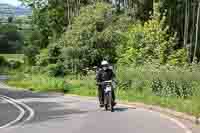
[{"x": 104, "y": 75}]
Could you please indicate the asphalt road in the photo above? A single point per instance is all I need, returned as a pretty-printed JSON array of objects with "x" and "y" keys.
[
  {"x": 7, "y": 109},
  {"x": 52, "y": 113}
]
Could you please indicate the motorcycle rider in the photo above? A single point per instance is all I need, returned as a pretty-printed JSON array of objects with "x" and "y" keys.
[{"x": 104, "y": 74}]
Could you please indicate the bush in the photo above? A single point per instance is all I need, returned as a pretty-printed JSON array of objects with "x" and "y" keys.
[
  {"x": 3, "y": 61},
  {"x": 14, "y": 64},
  {"x": 178, "y": 58},
  {"x": 54, "y": 51},
  {"x": 55, "y": 70},
  {"x": 43, "y": 58},
  {"x": 30, "y": 53},
  {"x": 93, "y": 36},
  {"x": 37, "y": 70},
  {"x": 164, "y": 81},
  {"x": 147, "y": 42},
  {"x": 38, "y": 82},
  {"x": 171, "y": 88}
]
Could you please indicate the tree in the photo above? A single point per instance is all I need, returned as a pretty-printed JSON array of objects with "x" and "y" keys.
[
  {"x": 197, "y": 32},
  {"x": 190, "y": 58},
  {"x": 186, "y": 22},
  {"x": 10, "y": 39},
  {"x": 10, "y": 19}
]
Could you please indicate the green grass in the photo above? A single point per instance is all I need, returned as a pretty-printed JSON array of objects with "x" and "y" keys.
[
  {"x": 18, "y": 57},
  {"x": 38, "y": 83},
  {"x": 84, "y": 87},
  {"x": 87, "y": 87},
  {"x": 189, "y": 106}
]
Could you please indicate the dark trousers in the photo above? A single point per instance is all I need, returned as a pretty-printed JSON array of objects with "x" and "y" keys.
[{"x": 101, "y": 94}]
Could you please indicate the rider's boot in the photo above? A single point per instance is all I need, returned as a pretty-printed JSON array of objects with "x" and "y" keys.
[
  {"x": 114, "y": 103},
  {"x": 101, "y": 105}
]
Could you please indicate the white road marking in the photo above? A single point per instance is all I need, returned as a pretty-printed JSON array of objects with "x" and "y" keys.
[
  {"x": 175, "y": 121},
  {"x": 31, "y": 111},
  {"x": 180, "y": 124},
  {"x": 22, "y": 113}
]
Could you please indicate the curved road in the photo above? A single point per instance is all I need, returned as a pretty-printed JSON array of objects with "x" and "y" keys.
[{"x": 68, "y": 114}]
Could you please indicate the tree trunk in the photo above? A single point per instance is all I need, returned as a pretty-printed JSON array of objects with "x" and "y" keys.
[
  {"x": 68, "y": 8},
  {"x": 192, "y": 33},
  {"x": 66, "y": 13},
  {"x": 118, "y": 5},
  {"x": 186, "y": 23},
  {"x": 148, "y": 9},
  {"x": 197, "y": 31},
  {"x": 186, "y": 28}
]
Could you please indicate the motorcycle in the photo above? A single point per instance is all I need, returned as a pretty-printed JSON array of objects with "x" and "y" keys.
[{"x": 108, "y": 99}]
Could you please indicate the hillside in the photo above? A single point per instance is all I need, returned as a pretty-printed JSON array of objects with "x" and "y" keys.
[{"x": 9, "y": 10}]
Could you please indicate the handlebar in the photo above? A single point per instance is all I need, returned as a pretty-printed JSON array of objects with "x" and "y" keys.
[{"x": 109, "y": 81}]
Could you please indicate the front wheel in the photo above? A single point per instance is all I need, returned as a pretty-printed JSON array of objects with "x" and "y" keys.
[
  {"x": 106, "y": 107},
  {"x": 110, "y": 101},
  {"x": 106, "y": 101}
]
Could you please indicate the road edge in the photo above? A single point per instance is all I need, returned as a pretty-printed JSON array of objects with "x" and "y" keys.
[
  {"x": 155, "y": 108},
  {"x": 31, "y": 111},
  {"x": 167, "y": 111},
  {"x": 20, "y": 116},
  {"x": 171, "y": 118}
]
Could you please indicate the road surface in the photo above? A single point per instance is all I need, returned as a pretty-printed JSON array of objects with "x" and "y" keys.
[{"x": 27, "y": 112}]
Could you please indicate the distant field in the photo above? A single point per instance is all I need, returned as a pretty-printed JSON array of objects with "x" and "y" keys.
[{"x": 18, "y": 57}]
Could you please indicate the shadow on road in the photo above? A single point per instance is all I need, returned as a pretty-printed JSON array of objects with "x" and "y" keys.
[
  {"x": 45, "y": 111},
  {"x": 22, "y": 94},
  {"x": 120, "y": 109}
]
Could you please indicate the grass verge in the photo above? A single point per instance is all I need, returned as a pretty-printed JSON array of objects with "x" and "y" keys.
[
  {"x": 37, "y": 82},
  {"x": 87, "y": 87},
  {"x": 16, "y": 57}
]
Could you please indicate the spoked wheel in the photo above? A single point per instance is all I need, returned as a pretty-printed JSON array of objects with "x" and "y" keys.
[
  {"x": 110, "y": 101},
  {"x": 106, "y": 107},
  {"x": 106, "y": 101}
]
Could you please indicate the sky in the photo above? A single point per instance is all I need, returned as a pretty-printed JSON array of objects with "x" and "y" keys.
[{"x": 12, "y": 2}]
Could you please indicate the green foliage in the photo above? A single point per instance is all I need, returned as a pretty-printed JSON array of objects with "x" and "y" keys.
[
  {"x": 94, "y": 35},
  {"x": 3, "y": 61},
  {"x": 30, "y": 55},
  {"x": 33, "y": 38},
  {"x": 56, "y": 18},
  {"x": 54, "y": 70},
  {"x": 146, "y": 43},
  {"x": 34, "y": 70},
  {"x": 42, "y": 59},
  {"x": 84, "y": 87},
  {"x": 171, "y": 88},
  {"x": 54, "y": 52},
  {"x": 18, "y": 57},
  {"x": 14, "y": 64},
  {"x": 87, "y": 87},
  {"x": 164, "y": 81},
  {"x": 10, "y": 39},
  {"x": 38, "y": 83},
  {"x": 72, "y": 59},
  {"x": 10, "y": 63},
  {"x": 178, "y": 58},
  {"x": 74, "y": 40}
]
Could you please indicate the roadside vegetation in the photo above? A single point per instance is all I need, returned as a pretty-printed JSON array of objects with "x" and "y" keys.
[
  {"x": 156, "y": 59},
  {"x": 178, "y": 92}
]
